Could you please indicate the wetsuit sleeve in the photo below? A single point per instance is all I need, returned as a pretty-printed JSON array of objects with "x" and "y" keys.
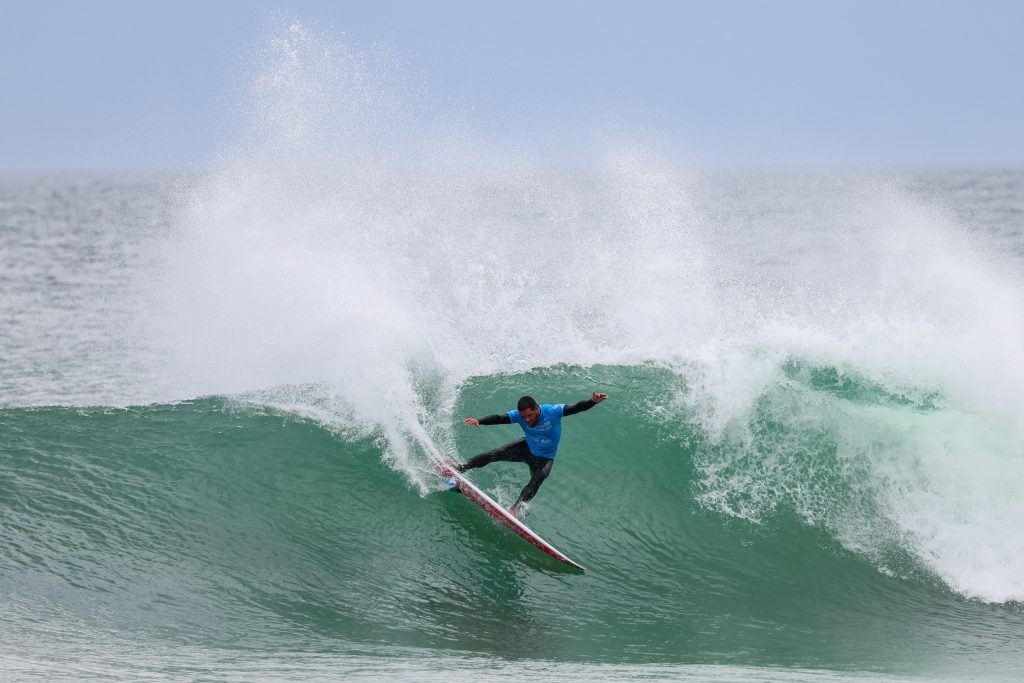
[
  {"x": 497, "y": 419},
  {"x": 579, "y": 407}
]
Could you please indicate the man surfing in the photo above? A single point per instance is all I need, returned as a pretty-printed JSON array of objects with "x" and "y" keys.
[{"x": 542, "y": 425}]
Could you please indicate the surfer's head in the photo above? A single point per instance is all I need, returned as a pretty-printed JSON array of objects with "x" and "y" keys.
[{"x": 528, "y": 409}]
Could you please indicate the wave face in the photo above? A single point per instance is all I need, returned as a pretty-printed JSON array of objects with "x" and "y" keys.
[
  {"x": 220, "y": 394},
  {"x": 217, "y": 523}
]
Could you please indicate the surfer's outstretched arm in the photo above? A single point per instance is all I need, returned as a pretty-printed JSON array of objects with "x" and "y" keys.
[
  {"x": 497, "y": 419},
  {"x": 594, "y": 399}
]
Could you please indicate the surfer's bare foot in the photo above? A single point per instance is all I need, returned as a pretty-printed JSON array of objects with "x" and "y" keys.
[{"x": 514, "y": 511}]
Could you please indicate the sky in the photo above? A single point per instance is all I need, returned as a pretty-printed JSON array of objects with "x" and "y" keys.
[{"x": 112, "y": 84}]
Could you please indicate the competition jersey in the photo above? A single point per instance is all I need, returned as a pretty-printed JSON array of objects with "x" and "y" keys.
[{"x": 542, "y": 438}]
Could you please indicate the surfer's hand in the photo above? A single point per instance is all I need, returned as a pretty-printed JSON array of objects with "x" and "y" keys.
[
  {"x": 472, "y": 421},
  {"x": 597, "y": 398}
]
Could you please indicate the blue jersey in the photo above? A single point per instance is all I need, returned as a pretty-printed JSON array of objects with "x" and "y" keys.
[{"x": 542, "y": 438}]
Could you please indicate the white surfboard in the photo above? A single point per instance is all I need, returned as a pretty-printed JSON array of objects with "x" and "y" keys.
[{"x": 471, "y": 491}]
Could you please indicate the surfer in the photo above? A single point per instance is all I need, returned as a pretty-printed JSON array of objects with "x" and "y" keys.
[{"x": 542, "y": 425}]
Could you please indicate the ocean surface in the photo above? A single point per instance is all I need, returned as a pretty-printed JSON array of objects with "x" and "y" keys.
[{"x": 221, "y": 391}]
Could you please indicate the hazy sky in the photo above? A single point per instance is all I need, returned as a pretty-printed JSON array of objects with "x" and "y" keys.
[{"x": 112, "y": 84}]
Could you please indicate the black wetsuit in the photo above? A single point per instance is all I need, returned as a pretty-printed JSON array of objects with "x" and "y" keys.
[{"x": 518, "y": 451}]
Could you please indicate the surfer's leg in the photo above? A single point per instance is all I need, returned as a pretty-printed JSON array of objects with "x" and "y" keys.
[
  {"x": 517, "y": 451},
  {"x": 540, "y": 468}
]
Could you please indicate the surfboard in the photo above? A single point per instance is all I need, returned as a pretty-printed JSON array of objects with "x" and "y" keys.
[{"x": 475, "y": 494}]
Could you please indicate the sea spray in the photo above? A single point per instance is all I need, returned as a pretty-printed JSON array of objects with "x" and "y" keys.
[
  {"x": 329, "y": 248},
  {"x": 899, "y": 300}
]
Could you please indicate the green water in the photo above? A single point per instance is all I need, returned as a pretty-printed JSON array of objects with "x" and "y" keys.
[{"x": 223, "y": 525}]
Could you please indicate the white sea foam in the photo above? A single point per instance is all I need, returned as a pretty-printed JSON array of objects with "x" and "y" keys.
[
  {"x": 356, "y": 239},
  {"x": 910, "y": 310}
]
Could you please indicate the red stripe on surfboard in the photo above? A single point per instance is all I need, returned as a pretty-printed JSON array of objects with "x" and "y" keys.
[{"x": 469, "y": 489}]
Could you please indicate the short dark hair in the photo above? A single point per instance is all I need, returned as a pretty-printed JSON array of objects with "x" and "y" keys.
[{"x": 526, "y": 402}]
